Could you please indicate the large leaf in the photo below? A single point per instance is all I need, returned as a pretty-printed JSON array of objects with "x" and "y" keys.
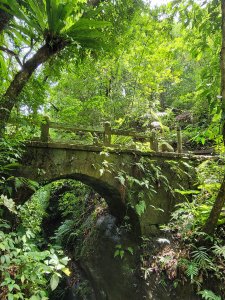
[
  {"x": 54, "y": 281},
  {"x": 26, "y": 14},
  {"x": 44, "y": 16},
  {"x": 38, "y": 9},
  {"x": 87, "y": 24},
  {"x": 89, "y": 33}
]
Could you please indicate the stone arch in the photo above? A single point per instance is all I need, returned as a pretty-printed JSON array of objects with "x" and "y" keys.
[
  {"x": 112, "y": 196},
  {"x": 46, "y": 164},
  {"x": 117, "y": 206}
]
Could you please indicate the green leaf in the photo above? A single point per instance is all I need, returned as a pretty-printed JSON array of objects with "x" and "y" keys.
[
  {"x": 10, "y": 296},
  {"x": 54, "y": 281},
  {"x": 121, "y": 179},
  {"x": 66, "y": 271},
  {"x": 2, "y": 259},
  {"x": 192, "y": 270},
  {"x": 101, "y": 171},
  {"x": 129, "y": 249},
  {"x": 11, "y": 287},
  {"x": 86, "y": 24},
  {"x": 187, "y": 192},
  {"x": 140, "y": 207},
  {"x": 122, "y": 253},
  {"x": 209, "y": 295},
  {"x": 117, "y": 252},
  {"x": 22, "y": 278}
]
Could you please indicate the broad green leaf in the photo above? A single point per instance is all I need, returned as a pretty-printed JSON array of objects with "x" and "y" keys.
[
  {"x": 10, "y": 297},
  {"x": 54, "y": 281},
  {"x": 140, "y": 207}
]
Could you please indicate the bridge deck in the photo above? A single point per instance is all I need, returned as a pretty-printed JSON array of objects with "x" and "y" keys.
[{"x": 117, "y": 149}]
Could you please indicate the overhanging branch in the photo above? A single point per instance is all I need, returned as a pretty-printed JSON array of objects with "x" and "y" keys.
[{"x": 12, "y": 53}]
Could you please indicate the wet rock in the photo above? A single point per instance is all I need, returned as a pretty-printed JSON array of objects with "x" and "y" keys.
[{"x": 113, "y": 278}]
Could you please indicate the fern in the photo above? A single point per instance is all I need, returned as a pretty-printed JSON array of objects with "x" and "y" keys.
[
  {"x": 192, "y": 270},
  {"x": 209, "y": 295},
  {"x": 219, "y": 250},
  {"x": 66, "y": 232},
  {"x": 201, "y": 258}
]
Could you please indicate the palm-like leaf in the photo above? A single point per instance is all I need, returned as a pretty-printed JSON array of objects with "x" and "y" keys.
[
  {"x": 192, "y": 270},
  {"x": 13, "y": 8},
  {"x": 54, "y": 18},
  {"x": 59, "y": 14},
  {"x": 88, "y": 33}
]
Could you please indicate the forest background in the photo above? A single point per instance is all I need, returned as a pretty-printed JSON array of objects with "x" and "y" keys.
[{"x": 125, "y": 62}]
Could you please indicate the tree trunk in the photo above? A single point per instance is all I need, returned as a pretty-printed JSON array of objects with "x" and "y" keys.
[
  {"x": 212, "y": 220},
  {"x": 9, "y": 99}
]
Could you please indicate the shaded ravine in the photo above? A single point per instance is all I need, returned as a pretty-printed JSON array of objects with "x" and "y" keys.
[
  {"x": 106, "y": 254},
  {"x": 92, "y": 253}
]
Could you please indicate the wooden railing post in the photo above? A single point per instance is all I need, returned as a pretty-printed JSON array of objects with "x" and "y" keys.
[
  {"x": 107, "y": 134},
  {"x": 45, "y": 130},
  {"x": 154, "y": 141},
  {"x": 179, "y": 140}
]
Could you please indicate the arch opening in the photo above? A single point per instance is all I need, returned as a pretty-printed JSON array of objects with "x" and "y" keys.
[
  {"x": 112, "y": 196},
  {"x": 96, "y": 256}
]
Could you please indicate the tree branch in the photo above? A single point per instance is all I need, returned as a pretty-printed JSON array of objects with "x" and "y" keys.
[
  {"x": 29, "y": 52},
  {"x": 12, "y": 53}
]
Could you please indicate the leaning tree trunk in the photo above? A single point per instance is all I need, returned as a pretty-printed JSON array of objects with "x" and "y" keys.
[
  {"x": 212, "y": 220},
  {"x": 10, "y": 98}
]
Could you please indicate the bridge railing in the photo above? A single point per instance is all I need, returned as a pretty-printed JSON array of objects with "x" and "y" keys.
[{"x": 106, "y": 132}]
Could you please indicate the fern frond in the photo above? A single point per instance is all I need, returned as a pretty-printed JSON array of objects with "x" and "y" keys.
[
  {"x": 201, "y": 258},
  {"x": 209, "y": 295},
  {"x": 219, "y": 250},
  {"x": 192, "y": 270}
]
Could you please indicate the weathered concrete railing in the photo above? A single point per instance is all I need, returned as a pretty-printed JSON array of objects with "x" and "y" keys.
[{"x": 107, "y": 133}]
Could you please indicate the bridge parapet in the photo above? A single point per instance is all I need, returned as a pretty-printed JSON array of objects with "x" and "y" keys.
[{"x": 103, "y": 136}]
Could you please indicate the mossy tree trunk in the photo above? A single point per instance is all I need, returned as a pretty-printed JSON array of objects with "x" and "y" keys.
[{"x": 212, "y": 220}]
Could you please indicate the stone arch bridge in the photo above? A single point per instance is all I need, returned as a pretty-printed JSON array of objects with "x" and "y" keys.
[{"x": 99, "y": 168}]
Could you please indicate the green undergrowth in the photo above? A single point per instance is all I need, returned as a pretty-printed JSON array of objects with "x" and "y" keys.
[
  {"x": 79, "y": 207},
  {"x": 151, "y": 176},
  {"x": 188, "y": 255},
  {"x": 84, "y": 210},
  {"x": 27, "y": 270}
]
